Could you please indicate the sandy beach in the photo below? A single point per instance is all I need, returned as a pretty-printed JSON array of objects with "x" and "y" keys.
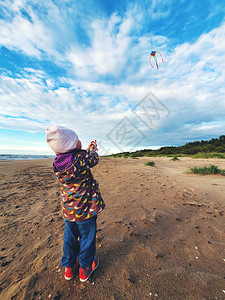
[{"x": 161, "y": 235}]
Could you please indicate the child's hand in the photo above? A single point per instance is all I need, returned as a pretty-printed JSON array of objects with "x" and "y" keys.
[{"x": 93, "y": 146}]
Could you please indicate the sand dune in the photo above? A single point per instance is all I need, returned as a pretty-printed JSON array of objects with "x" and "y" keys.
[{"x": 161, "y": 235}]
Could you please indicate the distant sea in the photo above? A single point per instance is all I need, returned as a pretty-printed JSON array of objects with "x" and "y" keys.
[{"x": 4, "y": 157}]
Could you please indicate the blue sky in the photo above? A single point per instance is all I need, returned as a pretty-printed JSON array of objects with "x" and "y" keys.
[{"x": 85, "y": 65}]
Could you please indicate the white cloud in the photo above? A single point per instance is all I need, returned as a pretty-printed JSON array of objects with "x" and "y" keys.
[
  {"x": 21, "y": 34},
  {"x": 109, "y": 48},
  {"x": 211, "y": 127},
  {"x": 159, "y": 9},
  {"x": 39, "y": 35}
]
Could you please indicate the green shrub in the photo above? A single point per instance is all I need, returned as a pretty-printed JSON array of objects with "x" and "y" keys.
[
  {"x": 150, "y": 163},
  {"x": 175, "y": 158},
  {"x": 207, "y": 170}
]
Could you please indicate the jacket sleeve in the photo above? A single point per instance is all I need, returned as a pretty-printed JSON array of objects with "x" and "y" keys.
[{"x": 92, "y": 158}]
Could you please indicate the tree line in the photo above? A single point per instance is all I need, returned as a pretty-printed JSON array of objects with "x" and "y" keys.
[{"x": 214, "y": 145}]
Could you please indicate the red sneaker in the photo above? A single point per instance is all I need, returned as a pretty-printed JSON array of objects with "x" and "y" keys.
[
  {"x": 69, "y": 272},
  {"x": 84, "y": 274}
]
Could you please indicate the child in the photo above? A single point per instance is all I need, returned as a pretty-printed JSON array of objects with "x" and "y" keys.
[{"x": 80, "y": 197}]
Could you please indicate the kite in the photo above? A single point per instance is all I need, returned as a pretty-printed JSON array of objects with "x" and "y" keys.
[{"x": 153, "y": 54}]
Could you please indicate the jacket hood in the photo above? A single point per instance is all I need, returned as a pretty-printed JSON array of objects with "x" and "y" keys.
[{"x": 63, "y": 161}]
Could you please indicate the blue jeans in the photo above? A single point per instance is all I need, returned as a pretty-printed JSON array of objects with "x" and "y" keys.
[{"x": 85, "y": 248}]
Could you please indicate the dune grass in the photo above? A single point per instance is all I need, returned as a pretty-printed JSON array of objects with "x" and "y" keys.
[
  {"x": 145, "y": 153},
  {"x": 207, "y": 170},
  {"x": 150, "y": 163},
  {"x": 209, "y": 155}
]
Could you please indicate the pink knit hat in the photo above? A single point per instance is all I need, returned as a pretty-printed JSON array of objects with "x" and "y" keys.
[{"x": 61, "y": 139}]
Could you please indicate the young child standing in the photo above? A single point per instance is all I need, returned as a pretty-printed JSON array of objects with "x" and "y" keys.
[{"x": 80, "y": 199}]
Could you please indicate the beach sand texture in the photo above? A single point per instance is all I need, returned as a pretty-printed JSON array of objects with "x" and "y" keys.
[{"x": 161, "y": 235}]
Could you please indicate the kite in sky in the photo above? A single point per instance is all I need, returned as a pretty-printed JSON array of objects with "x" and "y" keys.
[{"x": 153, "y": 55}]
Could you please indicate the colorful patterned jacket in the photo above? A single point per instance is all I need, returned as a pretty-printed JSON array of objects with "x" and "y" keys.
[{"x": 79, "y": 191}]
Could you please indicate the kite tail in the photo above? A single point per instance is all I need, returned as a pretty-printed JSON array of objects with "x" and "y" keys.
[
  {"x": 161, "y": 57},
  {"x": 151, "y": 62},
  {"x": 156, "y": 62}
]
